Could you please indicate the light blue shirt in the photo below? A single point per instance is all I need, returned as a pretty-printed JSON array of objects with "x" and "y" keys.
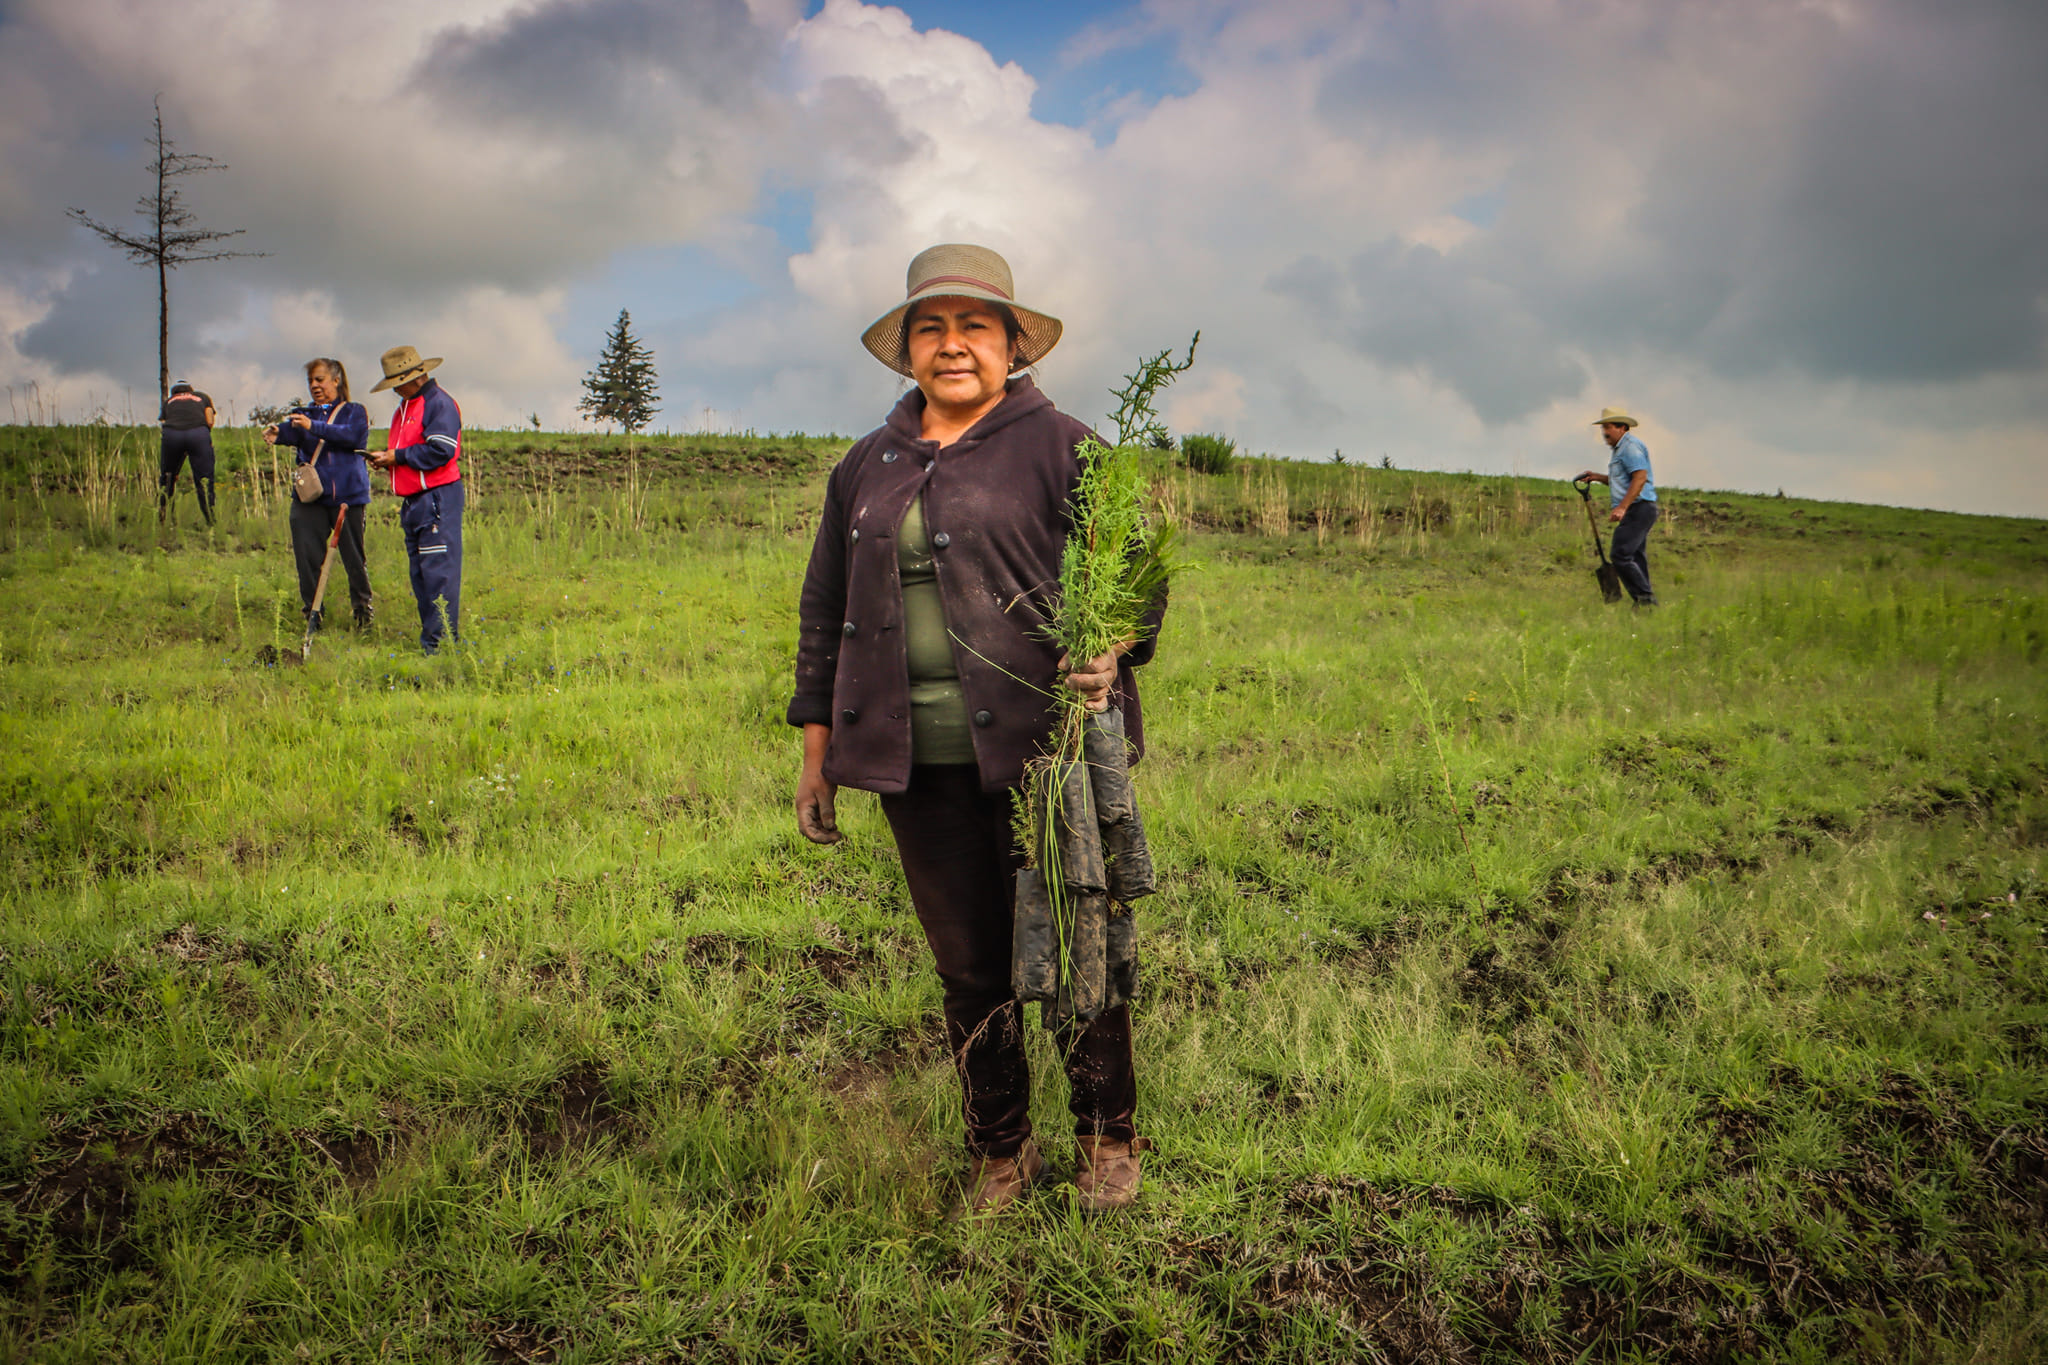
[{"x": 1629, "y": 456}]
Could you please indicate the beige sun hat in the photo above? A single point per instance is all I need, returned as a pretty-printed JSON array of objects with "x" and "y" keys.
[
  {"x": 402, "y": 365},
  {"x": 1618, "y": 416},
  {"x": 955, "y": 270}
]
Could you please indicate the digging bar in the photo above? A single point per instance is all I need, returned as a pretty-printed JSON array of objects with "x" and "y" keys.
[
  {"x": 1605, "y": 575},
  {"x": 320, "y": 588}
]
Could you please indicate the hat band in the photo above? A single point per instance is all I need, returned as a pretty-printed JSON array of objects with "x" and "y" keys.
[{"x": 960, "y": 279}]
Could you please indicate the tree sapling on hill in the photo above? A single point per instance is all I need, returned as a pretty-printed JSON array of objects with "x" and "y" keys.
[{"x": 621, "y": 390}]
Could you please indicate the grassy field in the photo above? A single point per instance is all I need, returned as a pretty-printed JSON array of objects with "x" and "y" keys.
[{"x": 1532, "y": 979}]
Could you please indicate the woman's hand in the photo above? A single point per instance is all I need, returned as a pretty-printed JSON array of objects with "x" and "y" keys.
[
  {"x": 270, "y": 435},
  {"x": 1094, "y": 678},
  {"x": 301, "y": 421},
  {"x": 816, "y": 819}
]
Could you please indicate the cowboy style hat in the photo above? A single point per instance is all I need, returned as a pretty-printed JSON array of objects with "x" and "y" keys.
[
  {"x": 1618, "y": 416},
  {"x": 402, "y": 365},
  {"x": 955, "y": 270}
]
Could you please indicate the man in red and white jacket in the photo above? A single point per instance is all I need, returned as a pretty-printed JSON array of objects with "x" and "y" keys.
[{"x": 424, "y": 460}]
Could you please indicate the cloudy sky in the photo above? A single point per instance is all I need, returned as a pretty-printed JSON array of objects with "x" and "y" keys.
[{"x": 1805, "y": 240}]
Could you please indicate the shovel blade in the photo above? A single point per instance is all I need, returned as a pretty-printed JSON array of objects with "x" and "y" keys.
[{"x": 1609, "y": 581}]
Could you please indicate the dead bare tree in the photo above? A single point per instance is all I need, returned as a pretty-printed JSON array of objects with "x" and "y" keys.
[{"x": 170, "y": 240}]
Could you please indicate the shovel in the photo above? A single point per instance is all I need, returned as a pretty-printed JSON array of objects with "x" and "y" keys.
[
  {"x": 320, "y": 588},
  {"x": 1605, "y": 576}
]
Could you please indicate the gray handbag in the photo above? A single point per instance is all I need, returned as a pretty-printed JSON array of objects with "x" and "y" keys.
[{"x": 306, "y": 479}]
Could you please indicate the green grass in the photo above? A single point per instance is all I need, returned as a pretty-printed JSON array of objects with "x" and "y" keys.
[{"x": 1531, "y": 979}]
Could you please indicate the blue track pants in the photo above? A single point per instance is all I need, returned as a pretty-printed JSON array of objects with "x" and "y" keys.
[{"x": 432, "y": 522}]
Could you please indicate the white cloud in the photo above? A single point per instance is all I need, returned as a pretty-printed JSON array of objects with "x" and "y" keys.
[
  {"x": 1749, "y": 210},
  {"x": 1212, "y": 399}
]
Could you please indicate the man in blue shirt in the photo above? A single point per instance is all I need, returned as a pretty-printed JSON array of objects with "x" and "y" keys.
[{"x": 1633, "y": 494}]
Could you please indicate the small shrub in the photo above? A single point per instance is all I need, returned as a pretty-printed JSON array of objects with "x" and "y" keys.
[{"x": 1208, "y": 454}]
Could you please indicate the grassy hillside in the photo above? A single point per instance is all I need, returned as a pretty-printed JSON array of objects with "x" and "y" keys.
[{"x": 1533, "y": 979}]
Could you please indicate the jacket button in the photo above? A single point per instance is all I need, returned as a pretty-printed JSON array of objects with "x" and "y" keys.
[
  {"x": 848, "y": 629},
  {"x": 942, "y": 540},
  {"x": 849, "y": 715},
  {"x": 984, "y": 719},
  {"x": 856, "y": 535},
  {"x": 888, "y": 457}
]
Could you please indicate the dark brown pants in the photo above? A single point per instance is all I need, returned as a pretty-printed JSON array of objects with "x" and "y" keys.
[{"x": 961, "y": 861}]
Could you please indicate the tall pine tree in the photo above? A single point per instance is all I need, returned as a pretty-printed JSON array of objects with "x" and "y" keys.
[{"x": 622, "y": 389}]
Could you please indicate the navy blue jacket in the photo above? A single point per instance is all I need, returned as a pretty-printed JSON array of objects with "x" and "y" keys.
[{"x": 345, "y": 429}]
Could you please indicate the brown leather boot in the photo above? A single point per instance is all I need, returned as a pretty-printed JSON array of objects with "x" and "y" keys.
[
  {"x": 1107, "y": 1174},
  {"x": 996, "y": 1182}
]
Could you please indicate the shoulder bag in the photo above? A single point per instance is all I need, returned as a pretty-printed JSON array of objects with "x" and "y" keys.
[{"x": 306, "y": 479}]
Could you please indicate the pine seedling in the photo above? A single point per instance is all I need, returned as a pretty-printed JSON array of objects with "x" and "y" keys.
[
  {"x": 1114, "y": 570},
  {"x": 1135, "y": 419}
]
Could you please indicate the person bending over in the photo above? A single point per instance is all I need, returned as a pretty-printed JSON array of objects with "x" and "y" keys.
[{"x": 187, "y": 417}]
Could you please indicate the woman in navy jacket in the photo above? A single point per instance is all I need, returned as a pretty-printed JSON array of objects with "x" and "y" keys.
[{"x": 337, "y": 430}]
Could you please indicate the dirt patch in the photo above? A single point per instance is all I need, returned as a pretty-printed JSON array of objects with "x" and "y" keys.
[
  {"x": 576, "y": 1111},
  {"x": 713, "y": 950},
  {"x": 357, "y": 1157},
  {"x": 837, "y": 967},
  {"x": 405, "y": 825},
  {"x": 1557, "y": 1289},
  {"x": 520, "y": 1343},
  {"x": 1501, "y": 993},
  {"x": 865, "y": 1078},
  {"x": 191, "y": 946},
  {"x": 1384, "y": 1318},
  {"x": 87, "y": 1198}
]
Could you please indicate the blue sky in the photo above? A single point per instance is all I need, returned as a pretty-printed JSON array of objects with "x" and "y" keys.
[
  {"x": 1430, "y": 229},
  {"x": 1037, "y": 36},
  {"x": 670, "y": 290}
]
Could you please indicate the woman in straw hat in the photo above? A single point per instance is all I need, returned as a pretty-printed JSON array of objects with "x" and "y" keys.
[{"x": 924, "y": 672}]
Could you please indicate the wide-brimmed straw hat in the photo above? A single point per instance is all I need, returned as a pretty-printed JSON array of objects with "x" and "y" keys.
[
  {"x": 1618, "y": 416},
  {"x": 402, "y": 365},
  {"x": 955, "y": 270}
]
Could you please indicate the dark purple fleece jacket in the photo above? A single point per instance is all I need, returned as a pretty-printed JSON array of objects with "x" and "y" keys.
[{"x": 996, "y": 509}]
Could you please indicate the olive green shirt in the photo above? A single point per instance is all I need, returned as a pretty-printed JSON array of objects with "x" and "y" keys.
[{"x": 938, "y": 708}]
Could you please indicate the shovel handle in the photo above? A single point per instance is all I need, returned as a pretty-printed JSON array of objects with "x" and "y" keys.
[
  {"x": 320, "y": 586},
  {"x": 1586, "y": 497}
]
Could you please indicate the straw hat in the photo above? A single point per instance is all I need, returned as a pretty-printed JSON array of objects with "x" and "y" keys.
[
  {"x": 402, "y": 365},
  {"x": 1618, "y": 416},
  {"x": 965, "y": 272}
]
